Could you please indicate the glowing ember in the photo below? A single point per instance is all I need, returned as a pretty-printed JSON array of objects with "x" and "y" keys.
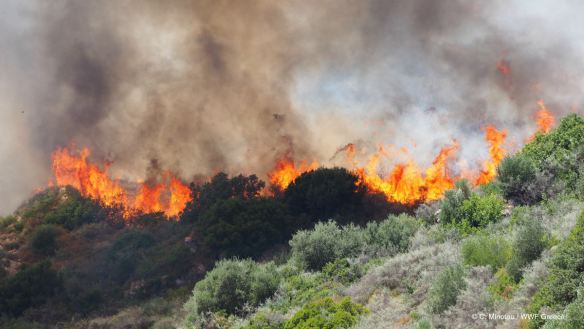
[
  {"x": 286, "y": 172},
  {"x": 405, "y": 183},
  {"x": 496, "y": 139},
  {"x": 170, "y": 197}
]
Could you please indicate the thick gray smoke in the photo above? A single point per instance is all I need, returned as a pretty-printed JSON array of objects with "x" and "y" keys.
[{"x": 205, "y": 86}]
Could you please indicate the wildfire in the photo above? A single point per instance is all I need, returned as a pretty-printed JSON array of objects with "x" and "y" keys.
[
  {"x": 285, "y": 172},
  {"x": 504, "y": 67},
  {"x": 170, "y": 196},
  {"x": 544, "y": 118},
  {"x": 405, "y": 183},
  {"x": 496, "y": 139}
]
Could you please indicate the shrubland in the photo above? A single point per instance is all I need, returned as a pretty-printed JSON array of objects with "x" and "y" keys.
[{"x": 323, "y": 253}]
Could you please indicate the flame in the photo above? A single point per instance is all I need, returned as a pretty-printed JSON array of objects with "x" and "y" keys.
[
  {"x": 285, "y": 172},
  {"x": 405, "y": 183},
  {"x": 170, "y": 196},
  {"x": 544, "y": 118},
  {"x": 496, "y": 139}
]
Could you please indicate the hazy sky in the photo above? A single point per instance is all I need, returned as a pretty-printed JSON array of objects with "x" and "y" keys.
[{"x": 202, "y": 86}]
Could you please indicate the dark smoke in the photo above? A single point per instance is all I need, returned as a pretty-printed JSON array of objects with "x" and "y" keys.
[{"x": 207, "y": 86}]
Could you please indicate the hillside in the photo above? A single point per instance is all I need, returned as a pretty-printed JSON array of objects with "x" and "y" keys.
[{"x": 325, "y": 252}]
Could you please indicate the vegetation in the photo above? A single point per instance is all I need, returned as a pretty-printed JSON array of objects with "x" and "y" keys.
[
  {"x": 326, "y": 314},
  {"x": 232, "y": 285},
  {"x": 323, "y": 253},
  {"x": 445, "y": 289}
]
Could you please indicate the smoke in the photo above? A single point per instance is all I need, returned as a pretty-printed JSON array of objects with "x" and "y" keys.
[{"x": 205, "y": 86}]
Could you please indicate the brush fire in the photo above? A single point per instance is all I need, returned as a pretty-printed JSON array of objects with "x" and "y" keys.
[{"x": 405, "y": 182}]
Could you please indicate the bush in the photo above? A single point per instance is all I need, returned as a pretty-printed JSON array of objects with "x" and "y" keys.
[
  {"x": 342, "y": 271},
  {"x": 566, "y": 272},
  {"x": 486, "y": 250},
  {"x": 528, "y": 244},
  {"x": 390, "y": 236},
  {"x": 326, "y": 243},
  {"x": 470, "y": 212},
  {"x": 75, "y": 211},
  {"x": 245, "y": 228},
  {"x": 451, "y": 205},
  {"x": 327, "y": 314},
  {"x": 573, "y": 315},
  {"x": 445, "y": 289},
  {"x": 515, "y": 176},
  {"x": 503, "y": 285},
  {"x": 43, "y": 240},
  {"x": 325, "y": 193},
  {"x": 126, "y": 252},
  {"x": 29, "y": 287},
  {"x": 230, "y": 286}
]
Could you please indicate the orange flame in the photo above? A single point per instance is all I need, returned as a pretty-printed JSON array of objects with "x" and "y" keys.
[
  {"x": 170, "y": 198},
  {"x": 544, "y": 118},
  {"x": 496, "y": 139},
  {"x": 504, "y": 67},
  {"x": 285, "y": 172},
  {"x": 405, "y": 183}
]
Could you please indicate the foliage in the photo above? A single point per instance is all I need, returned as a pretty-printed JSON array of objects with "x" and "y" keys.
[
  {"x": 326, "y": 314},
  {"x": 562, "y": 148},
  {"x": 483, "y": 250},
  {"x": 126, "y": 252},
  {"x": 566, "y": 272},
  {"x": 325, "y": 193},
  {"x": 29, "y": 287},
  {"x": 220, "y": 188},
  {"x": 469, "y": 212},
  {"x": 503, "y": 285},
  {"x": 445, "y": 289},
  {"x": 7, "y": 222},
  {"x": 515, "y": 176},
  {"x": 326, "y": 243},
  {"x": 245, "y": 227},
  {"x": 342, "y": 271},
  {"x": 528, "y": 244},
  {"x": 389, "y": 236},
  {"x": 43, "y": 239},
  {"x": 572, "y": 317},
  {"x": 75, "y": 211},
  {"x": 230, "y": 286}
]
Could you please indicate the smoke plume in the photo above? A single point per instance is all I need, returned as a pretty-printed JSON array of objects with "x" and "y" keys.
[{"x": 204, "y": 86}]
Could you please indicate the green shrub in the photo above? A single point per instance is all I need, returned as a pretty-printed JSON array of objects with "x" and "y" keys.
[
  {"x": 486, "y": 250},
  {"x": 230, "y": 286},
  {"x": 326, "y": 314},
  {"x": 75, "y": 211},
  {"x": 325, "y": 193},
  {"x": 572, "y": 316},
  {"x": 445, "y": 289},
  {"x": 529, "y": 242},
  {"x": 561, "y": 150},
  {"x": 342, "y": 271},
  {"x": 451, "y": 205},
  {"x": 516, "y": 175},
  {"x": 469, "y": 212},
  {"x": 326, "y": 243},
  {"x": 389, "y": 236},
  {"x": 503, "y": 285},
  {"x": 43, "y": 240},
  {"x": 126, "y": 252},
  {"x": 6, "y": 222},
  {"x": 29, "y": 287},
  {"x": 566, "y": 273},
  {"x": 423, "y": 324},
  {"x": 245, "y": 227}
]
